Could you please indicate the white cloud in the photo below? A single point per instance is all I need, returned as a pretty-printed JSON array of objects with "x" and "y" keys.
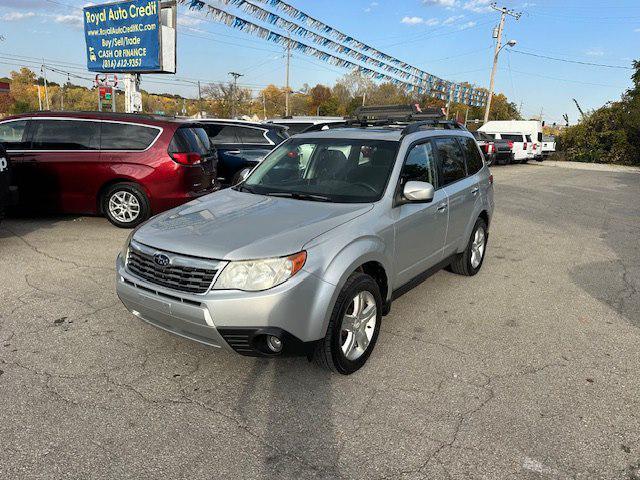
[
  {"x": 25, "y": 4},
  {"x": 467, "y": 25},
  {"x": 188, "y": 21},
  {"x": 17, "y": 16},
  {"x": 595, "y": 52},
  {"x": 432, "y": 22},
  {"x": 412, "y": 20},
  {"x": 452, "y": 19},
  {"x": 70, "y": 20},
  {"x": 441, "y": 3},
  {"x": 478, "y": 6}
]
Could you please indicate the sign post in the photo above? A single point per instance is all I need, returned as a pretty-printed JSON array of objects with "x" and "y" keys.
[{"x": 131, "y": 37}]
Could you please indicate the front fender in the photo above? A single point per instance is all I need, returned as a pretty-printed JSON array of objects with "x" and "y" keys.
[{"x": 346, "y": 260}]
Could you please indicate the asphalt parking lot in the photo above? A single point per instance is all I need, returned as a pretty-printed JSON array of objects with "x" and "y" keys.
[{"x": 529, "y": 370}]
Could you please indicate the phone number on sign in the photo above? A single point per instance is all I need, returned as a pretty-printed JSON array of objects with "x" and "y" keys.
[{"x": 122, "y": 63}]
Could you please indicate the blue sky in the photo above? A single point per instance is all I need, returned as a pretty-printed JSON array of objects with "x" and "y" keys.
[{"x": 449, "y": 38}]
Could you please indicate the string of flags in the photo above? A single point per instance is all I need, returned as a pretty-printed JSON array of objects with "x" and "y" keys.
[{"x": 413, "y": 80}]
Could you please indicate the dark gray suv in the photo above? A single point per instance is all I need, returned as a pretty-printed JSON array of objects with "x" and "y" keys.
[{"x": 305, "y": 255}]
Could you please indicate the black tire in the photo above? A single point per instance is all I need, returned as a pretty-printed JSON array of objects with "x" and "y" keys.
[
  {"x": 127, "y": 188},
  {"x": 462, "y": 263},
  {"x": 328, "y": 353}
]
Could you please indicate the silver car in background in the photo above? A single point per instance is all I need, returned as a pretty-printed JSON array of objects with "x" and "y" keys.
[{"x": 304, "y": 256}]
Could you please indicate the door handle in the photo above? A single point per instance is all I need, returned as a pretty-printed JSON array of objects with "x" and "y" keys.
[
  {"x": 442, "y": 207},
  {"x": 475, "y": 191},
  {"x": 233, "y": 152}
]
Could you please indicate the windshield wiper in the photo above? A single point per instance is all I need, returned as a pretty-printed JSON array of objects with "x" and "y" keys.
[
  {"x": 300, "y": 196},
  {"x": 243, "y": 188}
]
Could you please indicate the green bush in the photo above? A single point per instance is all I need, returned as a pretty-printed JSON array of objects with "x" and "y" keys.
[{"x": 610, "y": 134}]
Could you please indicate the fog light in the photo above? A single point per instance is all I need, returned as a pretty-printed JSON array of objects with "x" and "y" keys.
[{"x": 274, "y": 344}]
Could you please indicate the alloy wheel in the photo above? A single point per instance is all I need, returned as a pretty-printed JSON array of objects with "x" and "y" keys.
[
  {"x": 478, "y": 246},
  {"x": 124, "y": 207},
  {"x": 358, "y": 325}
]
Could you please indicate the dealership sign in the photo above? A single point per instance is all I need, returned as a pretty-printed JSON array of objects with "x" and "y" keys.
[{"x": 124, "y": 37}]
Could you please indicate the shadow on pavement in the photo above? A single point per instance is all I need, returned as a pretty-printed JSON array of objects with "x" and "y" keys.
[{"x": 298, "y": 418}]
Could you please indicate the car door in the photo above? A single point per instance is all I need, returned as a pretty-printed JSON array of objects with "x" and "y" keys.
[
  {"x": 225, "y": 139},
  {"x": 67, "y": 151},
  {"x": 461, "y": 189},
  {"x": 420, "y": 228}
]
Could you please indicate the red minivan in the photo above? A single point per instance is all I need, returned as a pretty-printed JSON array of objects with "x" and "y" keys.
[{"x": 124, "y": 166}]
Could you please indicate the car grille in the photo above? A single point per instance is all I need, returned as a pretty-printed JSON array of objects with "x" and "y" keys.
[{"x": 184, "y": 274}]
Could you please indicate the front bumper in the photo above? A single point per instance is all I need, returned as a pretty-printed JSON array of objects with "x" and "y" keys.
[{"x": 296, "y": 311}]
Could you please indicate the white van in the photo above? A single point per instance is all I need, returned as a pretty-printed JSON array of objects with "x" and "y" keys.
[{"x": 532, "y": 128}]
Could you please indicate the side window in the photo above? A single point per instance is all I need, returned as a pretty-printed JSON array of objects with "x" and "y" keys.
[
  {"x": 474, "y": 157},
  {"x": 222, "y": 134},
  {"x": 12, "y": 134},
  {"x": 252, "y": 136},
  {"x": 420, "y": 165},
  {"x": 121, "y": 136},
  {"x": 528, "y": 138},
  {"x": 65, "y": 135},
  {"x": 451, "y": 160}
]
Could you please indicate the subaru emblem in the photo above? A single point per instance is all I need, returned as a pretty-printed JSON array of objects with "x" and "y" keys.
[{"x": 161, "y": 260}]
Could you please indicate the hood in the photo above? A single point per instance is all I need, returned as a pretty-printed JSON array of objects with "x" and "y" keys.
[{"x": 231, "y": 225}]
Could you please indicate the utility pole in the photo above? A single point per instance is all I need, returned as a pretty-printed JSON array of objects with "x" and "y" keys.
[
  {"x": 264, "y": 105},
  {"x": 199, "y": 100},
  {"x": 235, "y": 76},
  {"x": 46, "y": 85},
  {"x": 132, "y": 94},
  {"x": 287, "y": 87},
  {"x": 39, "y": 97},
  {"x": 504, "y": 11}
]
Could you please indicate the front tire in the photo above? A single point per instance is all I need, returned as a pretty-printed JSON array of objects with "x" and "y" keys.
[
  {"x": 470, "y": 261},
  {"x": 354, "y": 326},
  {"x": 125, "y": 205}
]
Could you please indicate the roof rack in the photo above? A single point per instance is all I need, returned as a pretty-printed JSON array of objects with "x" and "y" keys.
[{"x": 412, "y": 117}]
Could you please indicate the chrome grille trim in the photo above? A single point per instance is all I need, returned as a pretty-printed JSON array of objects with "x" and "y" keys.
[{"x": 184, "y": 274}]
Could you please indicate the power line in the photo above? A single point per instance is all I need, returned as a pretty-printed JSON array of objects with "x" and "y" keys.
[{"x": 591, "y": 64}]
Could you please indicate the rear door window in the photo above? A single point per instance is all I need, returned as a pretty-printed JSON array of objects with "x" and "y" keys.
[
  {"x": 65, "y": 135},
  {"x": 12, "y": 135},
  {"x": 452, "y": 164},
  {"x": 473, "y": 155},
  {"x": 222, "y": 134},
  {"x": 252, "y": 136},
  {"x": 122, "y": 136},
  {"x": 190, "y": 140},
  {"x": 513, "y": 137}
]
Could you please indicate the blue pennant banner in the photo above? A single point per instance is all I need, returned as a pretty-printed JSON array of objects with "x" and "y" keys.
[{"x": 411, "y": 78}]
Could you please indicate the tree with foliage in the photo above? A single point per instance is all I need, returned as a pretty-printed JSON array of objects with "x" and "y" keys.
[{"x": 610, "y": 134}]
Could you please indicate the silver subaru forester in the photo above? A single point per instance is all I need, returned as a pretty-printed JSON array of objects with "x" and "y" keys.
[{"x": 305, "y": 255}]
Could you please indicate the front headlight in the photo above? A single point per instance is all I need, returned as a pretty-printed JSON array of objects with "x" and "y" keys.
[{"x": 257, "y": 275}]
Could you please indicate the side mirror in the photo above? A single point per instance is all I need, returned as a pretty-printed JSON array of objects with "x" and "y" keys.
[
  {"x": 244, "y": 173},
  {"x": 418, "y": 192}
]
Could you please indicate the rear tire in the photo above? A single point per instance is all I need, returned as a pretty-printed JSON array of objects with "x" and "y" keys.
[
  {"x": 125, "y": 205},
  {"x": 470, "y": 261},
  {"x": 353, "y": 331}
]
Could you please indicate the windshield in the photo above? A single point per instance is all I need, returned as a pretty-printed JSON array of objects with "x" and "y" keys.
[{"x": 332, "y": 170}]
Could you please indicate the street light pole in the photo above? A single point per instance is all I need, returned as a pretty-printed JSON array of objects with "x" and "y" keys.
[
  {"x": 504, "y": 11},
  {"x": 287, "y": 87},
  {"x": 235, "y": 76}
]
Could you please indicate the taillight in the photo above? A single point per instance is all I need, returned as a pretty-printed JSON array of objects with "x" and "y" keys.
[
  {"x": 490, "y": 179},
  {"x": 510, "y": 144},
  {"x": 491, "y": 148},
  {"x": 187, "y": 158},
  {"x": 535, "y": 146},
  {"x": 524, "y": 146}
]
